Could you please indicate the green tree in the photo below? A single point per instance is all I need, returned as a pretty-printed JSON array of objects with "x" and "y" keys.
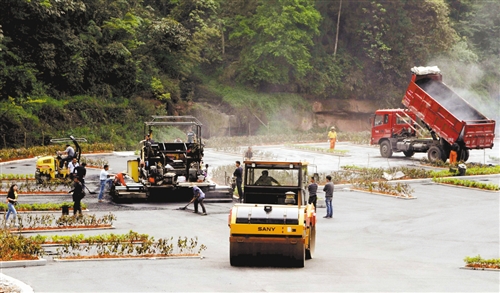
[{"x": 277, "y": 39}]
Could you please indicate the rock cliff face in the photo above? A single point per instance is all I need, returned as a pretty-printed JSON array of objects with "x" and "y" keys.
[{"x": 348, "y": 116}]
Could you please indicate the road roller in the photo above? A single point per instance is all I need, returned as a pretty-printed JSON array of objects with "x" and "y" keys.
[{"x": 273, "y": 225}]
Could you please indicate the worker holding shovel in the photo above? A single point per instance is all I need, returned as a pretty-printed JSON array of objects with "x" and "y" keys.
[{"x": 198, "y": 197}]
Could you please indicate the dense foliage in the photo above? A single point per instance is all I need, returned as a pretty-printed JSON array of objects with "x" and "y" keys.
[{"x": 100, "y": 68}]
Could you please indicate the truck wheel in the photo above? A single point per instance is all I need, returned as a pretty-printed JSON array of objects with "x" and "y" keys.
[
  {"x": 464, "y": 155},
  {"x": 408, "y": 154},
  {"x": 435, "y": 153},
  {"x": 312, "y": 243},
  {"x": 386, "y": 149}
]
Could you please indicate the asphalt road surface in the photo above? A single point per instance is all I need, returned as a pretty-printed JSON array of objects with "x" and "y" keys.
[{"x": 374, "y": 243}]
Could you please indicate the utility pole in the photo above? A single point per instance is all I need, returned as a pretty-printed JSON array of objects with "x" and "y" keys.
[{"x": 338, "y": 25}]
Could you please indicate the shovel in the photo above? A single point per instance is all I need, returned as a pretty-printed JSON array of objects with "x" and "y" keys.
[
  {"x": 183, "y": 208},
  {"x": 91, "y": 192}
]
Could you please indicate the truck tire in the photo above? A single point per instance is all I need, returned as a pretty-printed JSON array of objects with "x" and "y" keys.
[
  {"x": 464, "y": 155},
  {"x": 386, "y": 149},
  {"x": 312, "y": 243},
  {"x": 408, "y": 154},
  {"x": 436, "y": 153}
]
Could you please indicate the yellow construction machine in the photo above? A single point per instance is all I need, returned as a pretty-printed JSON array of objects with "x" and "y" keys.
[
  {"x": 49, "y": 167},
  {"x": 167, "y": 171},
  {"x": 274, "y": 225}
]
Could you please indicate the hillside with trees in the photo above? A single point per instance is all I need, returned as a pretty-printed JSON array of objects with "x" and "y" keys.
[{"x": 98, "y": 69}]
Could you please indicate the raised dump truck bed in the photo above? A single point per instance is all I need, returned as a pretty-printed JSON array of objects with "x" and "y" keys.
[{"x": 447, "y": 114}]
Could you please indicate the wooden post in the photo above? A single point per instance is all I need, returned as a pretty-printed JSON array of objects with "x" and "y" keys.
[{"x": 25, "y": 139}]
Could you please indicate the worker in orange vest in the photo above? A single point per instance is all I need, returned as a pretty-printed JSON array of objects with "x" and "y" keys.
[{"x": 120, "y": 178}]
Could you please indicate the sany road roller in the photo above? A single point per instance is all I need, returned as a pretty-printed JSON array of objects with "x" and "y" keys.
[{"x": 273, "y": 226}]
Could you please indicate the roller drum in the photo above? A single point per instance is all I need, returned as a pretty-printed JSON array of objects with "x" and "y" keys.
[{"x": 269, "y": 253}]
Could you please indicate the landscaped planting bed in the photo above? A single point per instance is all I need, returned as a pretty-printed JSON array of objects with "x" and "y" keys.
[
  {"x": 28, "y": 186},
  {"x": 112, "y": 247},
  {"x": 479, "y": 263},
  {"x": 467, "y": 183},
  {"x": 400, "y": 190},
  {"x": 16, "y": 247},
  {"x": 33, "y": 223},
  {"x": 33, "y": 207},
  {"x": 105, "y": 246}
]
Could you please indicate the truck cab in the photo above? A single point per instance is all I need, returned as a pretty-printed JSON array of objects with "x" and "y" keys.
[{"x": 387, "y": 123}]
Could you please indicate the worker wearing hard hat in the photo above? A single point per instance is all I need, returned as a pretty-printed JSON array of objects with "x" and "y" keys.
[
  {"x": 332, "y": 136},
  {"x": 120, "y": 178}
]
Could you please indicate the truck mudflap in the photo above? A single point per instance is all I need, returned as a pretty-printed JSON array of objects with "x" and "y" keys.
[{"x": 265, "y": 251}]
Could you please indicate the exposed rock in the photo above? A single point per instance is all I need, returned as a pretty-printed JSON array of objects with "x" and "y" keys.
[{"x": 346, "y": 115}]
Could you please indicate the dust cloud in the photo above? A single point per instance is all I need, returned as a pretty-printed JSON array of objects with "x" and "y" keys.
[{"x": 461, "y": 78}]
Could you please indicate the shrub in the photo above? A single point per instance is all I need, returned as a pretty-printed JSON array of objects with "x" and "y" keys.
[{"x": 17, "y": 247}]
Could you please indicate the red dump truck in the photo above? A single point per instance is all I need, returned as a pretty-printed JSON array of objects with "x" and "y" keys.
[{"x": 431, "y": 105}]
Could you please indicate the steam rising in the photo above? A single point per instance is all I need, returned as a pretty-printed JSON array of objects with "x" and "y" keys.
[
  {"x": 464, "y": 74},
  {"x": 450, "y": 100}
]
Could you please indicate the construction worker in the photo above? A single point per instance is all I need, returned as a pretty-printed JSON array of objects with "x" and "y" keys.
[
  {"x": 266, "y": 180},
  {"x": 238, "y": 174},
  {"x": 78, "y": 195},
  {"x": 312, "y": 188},
  {"x": 190, "y": 136},
  {"x": 198, "y": 197},
  {"x": 248, "y": 154},
  {"x": 71, "y": 166},
  {"x": 104, "y": 180},
  {"x": 66, "y": 156},
  {"x": 332, "y": 136},
  {"x": 120, "y": 179},
  {"x": 453, "y": 154}
]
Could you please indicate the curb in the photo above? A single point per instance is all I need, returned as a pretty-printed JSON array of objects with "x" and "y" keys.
[
  {"x": 43, "y": 212},
  {"x": 126, "y": 258},
  {"x": 63, "y": 230},
  {"x": 479, "y": 269},
  {"x": 20, "y": 286},
  {"x": 465, "y": 187},
  {"x": 382, "y": 194},
  {"x": 23, "y": 263},
  {"x": 319, "y": 152}
]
